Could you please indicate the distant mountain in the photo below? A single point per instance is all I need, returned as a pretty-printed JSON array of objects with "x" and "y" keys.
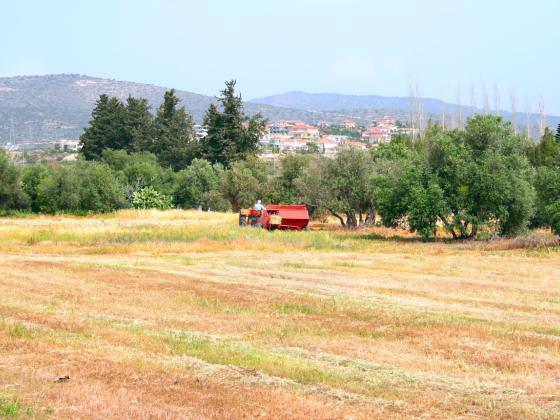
[
  {"x": 43, "y": 108},
  {"x": 366, "y": 106},
  {"x": 334, "y": 101}
]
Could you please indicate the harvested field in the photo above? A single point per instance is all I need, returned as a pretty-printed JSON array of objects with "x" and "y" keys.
[{"x": 184, "y": 315}]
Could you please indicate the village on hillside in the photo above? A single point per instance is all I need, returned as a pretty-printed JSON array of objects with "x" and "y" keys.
[{"x": 327, "y": 138}]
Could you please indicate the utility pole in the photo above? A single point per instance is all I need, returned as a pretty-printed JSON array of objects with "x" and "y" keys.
[
  {"x": 412, "y": 106},
  {"x": 497, "y": 99},
  {"x": 485, "y": 101},
  {"x": 442, "y": 115},
  {"x": 514, "y": 121},
  {"x": 527, "y": 117},
  {"x": 420, "y": 109},
  {"x": 473, "y": 100},
  {"x": 459, "y": 109},
  {"x": 542, "y": 117}
]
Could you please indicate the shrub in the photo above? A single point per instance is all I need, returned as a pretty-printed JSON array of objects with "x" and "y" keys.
[
  {"x": 84, "y": 186},
  {"x": 195, "y": 182},
  {"x": 149, "y": 198},
  {"x": 12, "y": 195}
]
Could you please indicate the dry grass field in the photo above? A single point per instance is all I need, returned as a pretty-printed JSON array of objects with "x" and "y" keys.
[{"x": 185, "y": 315}]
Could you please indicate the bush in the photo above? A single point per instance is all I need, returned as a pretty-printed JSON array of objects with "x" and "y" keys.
[
  {"x": 59, "y": 190},
  {"x": 244, "y": 182},
  {"x": 84, "y": 186},
  {"x": 33, "y": 175},
  {"x": 99, "y": 190},
  {"x": 149, "y": 198},
  {"x": 214, "y": 200},
  {"x": 12, "y": 196},
  {"x": 138, "y": 170},
  {"x": 197, "y": 181}
]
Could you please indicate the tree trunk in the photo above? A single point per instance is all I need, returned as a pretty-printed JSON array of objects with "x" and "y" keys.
[
  {"x": 448, "y": 227},
  {"x": 338, "y": 217},
  {"x": 361, "y": 219},
  {"x": 370, "y": 216},
  {"x": 474, "y": 230},
  {"x": 351, "y": 222}
]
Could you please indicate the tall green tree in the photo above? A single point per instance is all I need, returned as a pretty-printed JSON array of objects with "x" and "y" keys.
[
  {"x": 231, "y": 134},
  {"x": 106, "y": 130},
  {"x": 545, "y": 156},
  {"x": 139, "y": 125},
  {"x": 174, "y": 142},
  {"x": 557, "y": 137}
]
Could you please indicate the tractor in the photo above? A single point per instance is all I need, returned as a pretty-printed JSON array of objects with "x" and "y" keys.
[{"x": 276, "y": 216}]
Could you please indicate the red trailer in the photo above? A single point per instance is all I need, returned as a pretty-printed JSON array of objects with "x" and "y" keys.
[{"x": 276, "y": 216}]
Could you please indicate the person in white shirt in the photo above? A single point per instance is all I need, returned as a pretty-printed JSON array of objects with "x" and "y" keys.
[{"x": 258, "y": 206}]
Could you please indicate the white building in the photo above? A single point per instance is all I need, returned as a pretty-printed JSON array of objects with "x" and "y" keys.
[{"x": 200, "y": 131}]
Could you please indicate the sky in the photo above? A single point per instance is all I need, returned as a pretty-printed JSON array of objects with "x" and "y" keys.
[{"x": 273, "y": 46}]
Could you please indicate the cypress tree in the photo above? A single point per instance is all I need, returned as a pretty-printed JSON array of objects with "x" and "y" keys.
[
  {"x": 106, "y": 129},
  {"x": 139, "y": 124},
  {"x": 174, "y": 142},
  {"x": 557, "y": 137},
  {"x": 231, "y": 134}
]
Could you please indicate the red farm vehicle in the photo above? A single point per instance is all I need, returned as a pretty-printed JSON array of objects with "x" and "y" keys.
[{"x": 276, "y": 216}]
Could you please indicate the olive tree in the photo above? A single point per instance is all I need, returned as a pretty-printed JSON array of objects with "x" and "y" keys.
[
  {"x": 461, "y": 180},
  {"x": 341, "y": 186}
]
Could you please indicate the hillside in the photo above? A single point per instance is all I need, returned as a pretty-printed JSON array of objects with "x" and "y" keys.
[
  {"x": 330, "y": 101},
  {"x": 366, "y": 106},
  {"x": 42, "y": 108}
]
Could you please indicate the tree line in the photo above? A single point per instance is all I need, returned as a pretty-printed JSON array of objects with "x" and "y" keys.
[
  {"x": 170, "y": 134},
  {"x": 461, "y": 181}
]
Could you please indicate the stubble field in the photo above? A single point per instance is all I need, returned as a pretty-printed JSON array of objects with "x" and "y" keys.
[{"x": 184, "y": 315}]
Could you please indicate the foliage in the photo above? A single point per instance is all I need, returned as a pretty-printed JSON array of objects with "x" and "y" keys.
[
  {"x": 12, "y": 195},
  {"x": 341, "y": 186},
  {"x": 546, "y": 158},
  {"x": 132, "y": 128},
  {"x": 174, "y": 142},
  {"x": 546, "y": 152},
  {"x": 33, "y": 175},
  {"x": 84, "y": 186},
  {"x": 547, "y": 184},
  {"x": 231, "y": 134},
  {"x": 313, "y": 148},
  {"x": 106, "y": 129},
  {"x": 339, "y": 130},
  {"x": 138, "y": 170},
  {"x": 195, "y": 182},
  {"x": 149, "y": 198},
  {"x": 244, "y": 183},
  {"x": 461, "y": 179},
  {"x": 282, "y": 188},
  {"x": 139, "y": 125},
  {"x": 99, "y": 190},
  {"x": 215, "y": 200}
]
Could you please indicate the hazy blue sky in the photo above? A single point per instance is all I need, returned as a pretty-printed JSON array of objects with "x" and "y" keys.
[{"x": 345, "y": 46}]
